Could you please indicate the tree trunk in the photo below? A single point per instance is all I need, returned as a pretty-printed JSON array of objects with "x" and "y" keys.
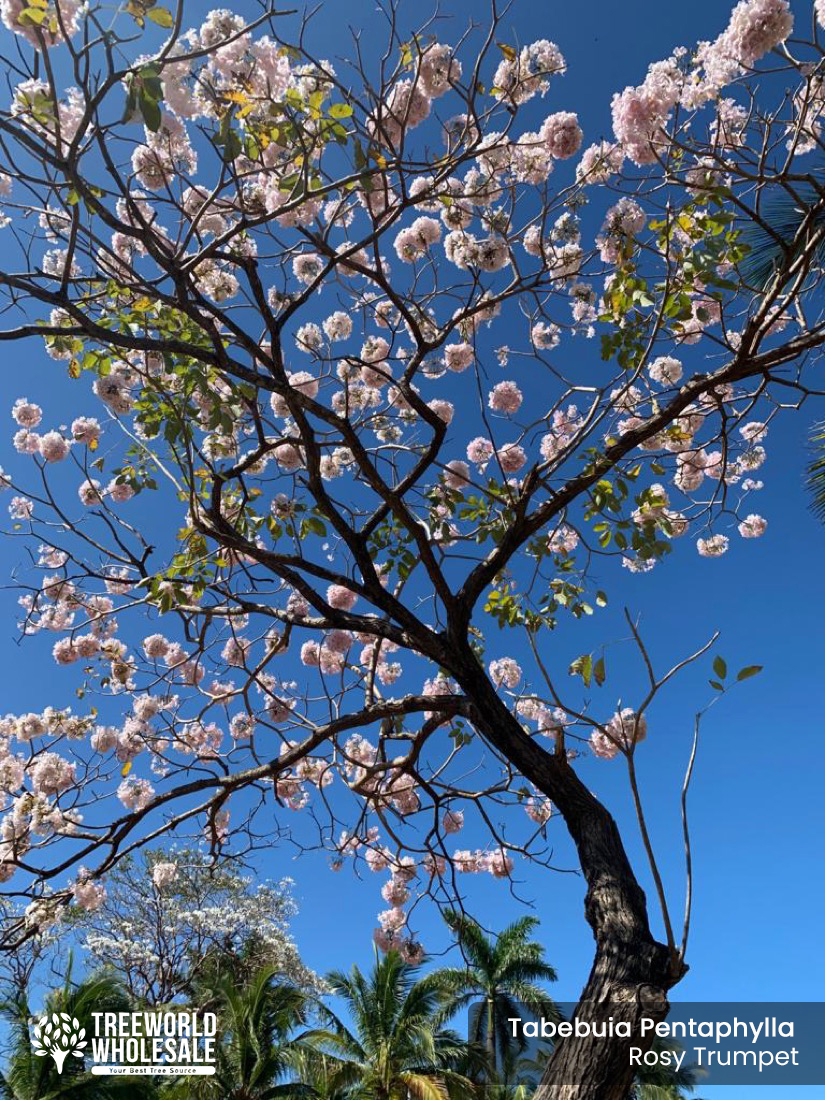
[
  {"x": 631, "y": 971},
  {"x": 491, "y": 1036}
]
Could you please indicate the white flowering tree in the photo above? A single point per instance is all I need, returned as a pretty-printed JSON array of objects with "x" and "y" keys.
[
  {"x": 374, "y": 368},
  {"x": 171, "y": 922}
]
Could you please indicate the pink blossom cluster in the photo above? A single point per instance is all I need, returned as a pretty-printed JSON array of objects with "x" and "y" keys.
[{"x": 622, "y": 733}]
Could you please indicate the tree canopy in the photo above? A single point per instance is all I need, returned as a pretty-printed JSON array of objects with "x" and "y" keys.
[{"x": 295, "y": 534}]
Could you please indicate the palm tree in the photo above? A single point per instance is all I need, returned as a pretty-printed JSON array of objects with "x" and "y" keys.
[
  {"x": 516, "y": 1077},
  {"x": 253, "y": 1056},
  {"x": 29, "y": 1077},
  {"x": 788, "y": 221},
  {"x": 323, "y": 1076},
  {"x": 791, "y": 218},
  {"x": 397, "y": 1047},
  {"x": 816, "y": 470},
  {"x": 501, "y": 973}
]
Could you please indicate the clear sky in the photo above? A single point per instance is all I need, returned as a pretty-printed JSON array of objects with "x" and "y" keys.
[{"x": 757, "y": 798}]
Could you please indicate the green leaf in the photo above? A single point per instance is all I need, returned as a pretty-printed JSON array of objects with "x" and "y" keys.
[
  {"x": 748, "y": 671},
  {"x": 360, "y": 157},
  {"x": 311, "y": 525},
  {"x": 340, "y": 110},
  {"x": 583, "y": 666},
  {"x": 162, "y": 16},
  {"x": 720, "y": 667},
  {"x": 32, "y": 15},
  {"x": 151, "y": 113},
  {"x": 716, "y": 685},
  {"x": 599, "y": 672}
]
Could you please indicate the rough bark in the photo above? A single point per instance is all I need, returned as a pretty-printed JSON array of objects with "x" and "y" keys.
[{"x": 632, "y": 971}]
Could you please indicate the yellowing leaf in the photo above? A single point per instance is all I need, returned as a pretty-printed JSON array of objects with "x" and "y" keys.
[
  {"x": 162, "y": 17},
  {"x": 127, "y": 767}
]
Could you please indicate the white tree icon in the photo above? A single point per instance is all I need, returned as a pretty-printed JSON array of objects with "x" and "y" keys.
[{"x": 59, "y": 1036}]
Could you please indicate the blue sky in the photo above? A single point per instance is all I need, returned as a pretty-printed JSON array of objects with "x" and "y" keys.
[{"x": 756, "y": 802}]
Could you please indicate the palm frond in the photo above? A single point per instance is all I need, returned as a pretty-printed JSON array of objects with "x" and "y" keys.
[{"x": 816, "y": 470}]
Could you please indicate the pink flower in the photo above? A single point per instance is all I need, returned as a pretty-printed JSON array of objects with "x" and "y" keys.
[
  {"x": 457, "y": 474},
  {"x": 395, "y": 891},
  {"x": 505, "y": 671},
  {"x": 624, "y": 730},
  {"x": 241, "y": 727},
  {"x": 754, "y": 431},
  {"x": 86, "y": 430},
  {"x": 64, "y": 652},
  {"x": 164, "y": 874},
  {"x": 753, "y": 526},
  {"x": 383, "y": 940},
  {"x": 309, "y": 338},
  {"x": 411, "y": 951},
  {"x": 665, "y": 370},
  {"x": 499, "y": 864},
  {"x": 135, "y": 794},
  {"x": 288, "y": 457},
  {"x": 341, "y": 598},
  {"x": 713, "y": 547},
  {"x": 457, "y": 357},
  {"x": 755, "y": 28},
  {"x": 563, "y": 540},
  {"x": 599, "y": 162},
  {"x": 307, "y": 267},
  {"x": 26, "y": 413},
  {"x": 155, "y": 646},
  {"x": 375, "y": 349},
  {"x": 452, "y": 821},
  {"x": 338, "y": 326},
  {"x": 505, "y": 397},
  {"x": 470, "y": 862},
  {"x": 21, "y": 508},
  {"x": 520, "y": 79},
  {"x": 88, "y": 895},
  {"x": 479, "y": 451},
  {"x": 444, "y": 410},
  {"x": 407, "y": 106},
  {"x": 539, "y": 810},
  {"x": 438, "y": 69},
  {"x": 119, "y": 491},
  {"x": 512, "y": 457},
  {"x": 304, "y": 382},
  {"x": 392, "y": 919},
  {"x": 545, "y": 337},
  {"x": 53, "y": 447},
  {"x": 377, "y": 859},
  {"x": 413, "y": 242},
  {"x": 90, "y": 492},
  {"x": 51, "y": 774},
  {"x": 562, "y": 135},
  {"x": 26, "y": 442}
]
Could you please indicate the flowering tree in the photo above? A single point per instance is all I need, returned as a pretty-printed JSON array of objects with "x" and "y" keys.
[
  {"x": 288, "y": 284},
  {"x": 170, "y": 921}
]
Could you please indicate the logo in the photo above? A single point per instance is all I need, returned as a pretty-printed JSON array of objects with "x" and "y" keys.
[
  {"x": 175, "y": 1043},
  {"x": 58, "y": 1036}
]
